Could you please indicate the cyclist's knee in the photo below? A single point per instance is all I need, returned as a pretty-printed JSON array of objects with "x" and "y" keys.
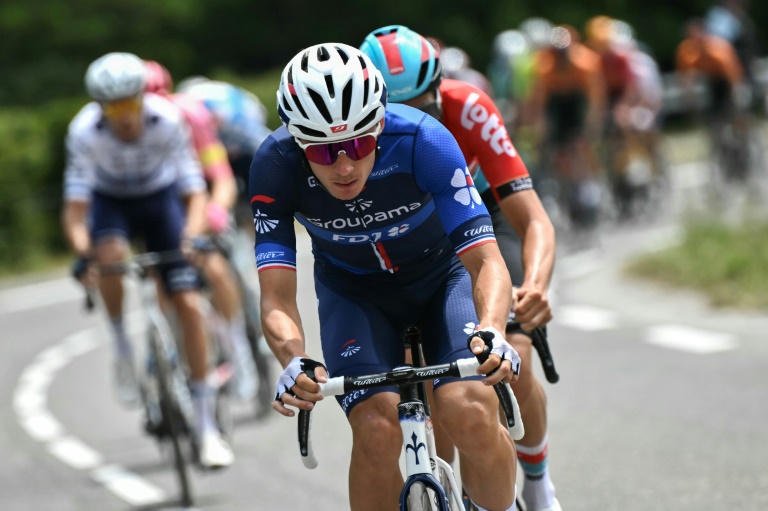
[
  {"x": 468, "y": 411},
  {"x": 187, "y": 303},
  {"x": 216, "y": 269},
  {"x": 111, "y": 250},
  {"x": 375, "y": 427}
]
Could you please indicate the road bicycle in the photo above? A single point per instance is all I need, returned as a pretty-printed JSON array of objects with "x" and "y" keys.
[
  {"x": 237, "y": 249},
  {"x": 430, "y": 484},
  {"x": 165, "y": 394}
]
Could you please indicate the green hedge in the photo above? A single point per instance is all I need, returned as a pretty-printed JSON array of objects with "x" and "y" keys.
[
  {"x": 727, "y": 263},
  {"x": 31, "y": 166}
]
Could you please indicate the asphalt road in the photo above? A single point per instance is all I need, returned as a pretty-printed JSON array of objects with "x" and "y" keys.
[{"x": 661, "y": 404}]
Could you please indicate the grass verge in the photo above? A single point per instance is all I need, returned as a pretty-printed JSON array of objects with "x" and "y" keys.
[{"x": 729, "y": 264}]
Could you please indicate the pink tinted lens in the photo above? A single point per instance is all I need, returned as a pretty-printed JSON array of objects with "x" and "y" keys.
[{"x": 355, "y": 149}]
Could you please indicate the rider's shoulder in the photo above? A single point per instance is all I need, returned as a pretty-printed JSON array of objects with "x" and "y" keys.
[
  {"x": 455, "y": 91},
  {"x": 86, "y": 120},
  {"x": 161, "y": 111}
]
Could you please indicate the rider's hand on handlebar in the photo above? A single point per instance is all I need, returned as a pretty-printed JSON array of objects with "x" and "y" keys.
[
  {"x": 84, "y": 271},
  {"x": 503, "y": 363},
  {"x": 295, "y": 388},
  {"x": 532, "y": 308}
]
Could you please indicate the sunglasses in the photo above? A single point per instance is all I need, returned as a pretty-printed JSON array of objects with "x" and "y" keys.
[
  {"x": 355, "y": 148},
  {"x": 114, "y": 109}
]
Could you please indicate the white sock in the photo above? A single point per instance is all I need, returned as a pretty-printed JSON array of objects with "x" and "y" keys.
[
  {"x": 123, "y": 347},
  {"x": 513, "y": 507},
  {"x": 538, "y": 490},
  {"x": 202, "y": 400}
]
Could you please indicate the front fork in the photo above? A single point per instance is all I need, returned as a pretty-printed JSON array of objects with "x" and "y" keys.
[{"x": 422, "y": 464}]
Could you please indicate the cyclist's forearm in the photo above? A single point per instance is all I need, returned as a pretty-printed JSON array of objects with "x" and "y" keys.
[
  {"x": 538, "y": 255},
  {"x": 284, "y": 333},
  {"x": 224, "y": 191},
  {"x": 195, "y": 222},
  {"x": 491, "y": 285},
  {"x": 75, "y": 228}
]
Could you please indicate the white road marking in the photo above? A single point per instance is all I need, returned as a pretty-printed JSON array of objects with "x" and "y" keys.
[
  {"x": 75, "y": 453},
  {"x": 585, "y": 317},
  {"x": 128, "y": 486},
  {"x": 693, "y": 340},
  {"x": 30, "y": 403}
]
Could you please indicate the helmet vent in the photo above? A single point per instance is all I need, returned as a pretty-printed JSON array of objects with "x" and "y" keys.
[
  {"x": 329, "y": 86},
  {"x": 305, "y": 62},
  {"x": 343, "y": 55},
  {"x": 310, "y": 132},
  {"x": 346, "y": 99},
  {"x": 320, "y": 105},
  {"x": 322, "y": 54},
  {"x": 422, "y": 74},
  {"x": 362, "y": 62},
  {"x": 365, "y": 91},
  {"x": 286, "y": 106},
  {"x": 375, "y": 86},
  {"x": 367, "y": 120},
  {"x": 300, "y": 107}
]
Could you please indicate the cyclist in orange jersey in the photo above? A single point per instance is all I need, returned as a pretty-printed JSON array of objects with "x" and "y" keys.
[
  {"x": 715, "y": 60},
  {"x": 567, "y": 105}
]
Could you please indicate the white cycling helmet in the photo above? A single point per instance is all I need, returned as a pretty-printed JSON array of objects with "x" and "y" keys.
[
  {"x": 115, "y": 76},
  {"x": 329, "y": 92}
]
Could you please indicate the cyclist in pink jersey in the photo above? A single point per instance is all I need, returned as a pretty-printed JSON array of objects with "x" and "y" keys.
[
  {"x": 222, "y": 195},
  {"x": 411, "y": 69}
]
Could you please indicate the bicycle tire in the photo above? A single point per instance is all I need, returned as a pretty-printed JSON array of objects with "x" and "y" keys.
[
  {"x": 171, "y": 412},
  {"x": 420, "y": 498}
]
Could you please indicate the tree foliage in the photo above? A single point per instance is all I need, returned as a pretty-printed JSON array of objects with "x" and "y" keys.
[{"x": 48, "y": 44}]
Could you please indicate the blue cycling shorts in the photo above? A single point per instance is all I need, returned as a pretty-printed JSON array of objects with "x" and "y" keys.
[
  {"x": 363, "y": 319},
  {"x": 157, "y": 218}
]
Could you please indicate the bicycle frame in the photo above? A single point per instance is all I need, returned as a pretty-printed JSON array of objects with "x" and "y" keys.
[{"x": 415, "y": 425}]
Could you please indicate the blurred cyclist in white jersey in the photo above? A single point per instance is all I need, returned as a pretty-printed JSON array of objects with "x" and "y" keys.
[{"x": 129, "y": 165}]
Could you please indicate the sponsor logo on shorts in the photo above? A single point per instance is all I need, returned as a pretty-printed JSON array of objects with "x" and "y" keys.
[{"x": 349, "y": 348}]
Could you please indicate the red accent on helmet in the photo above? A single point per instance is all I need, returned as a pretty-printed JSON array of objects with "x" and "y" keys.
[
  {"x": 424, "y": 50},
  {"x": 159, "y": 80},
  {"x": 392, "y": 53}
]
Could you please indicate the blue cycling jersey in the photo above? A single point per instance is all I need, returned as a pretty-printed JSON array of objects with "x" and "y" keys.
[{"x": 418, "y": 202}]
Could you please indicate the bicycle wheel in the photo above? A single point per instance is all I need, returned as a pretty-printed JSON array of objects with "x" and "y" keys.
[{"x": 172, "y": 415}]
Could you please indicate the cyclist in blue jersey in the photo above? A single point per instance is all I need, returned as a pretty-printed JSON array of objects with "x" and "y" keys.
[{"x": 400, "y": 237}]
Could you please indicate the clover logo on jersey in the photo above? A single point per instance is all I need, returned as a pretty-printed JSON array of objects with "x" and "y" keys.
[
  {"x": 397, "y": 231},
  {"x": 262, "y": 223},
  {"x": 358, "y": 205},
  {"x": 349, "y": 348},
  {"x": 467, "y": 193},
  {"x": 471, "y": 328}
]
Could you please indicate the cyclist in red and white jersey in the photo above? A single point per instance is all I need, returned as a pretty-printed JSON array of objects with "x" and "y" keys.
[
  {"x": 411, "y": 69},
  {"x": 221, "y": 199},
  {"x": 129, "y": 162}
]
